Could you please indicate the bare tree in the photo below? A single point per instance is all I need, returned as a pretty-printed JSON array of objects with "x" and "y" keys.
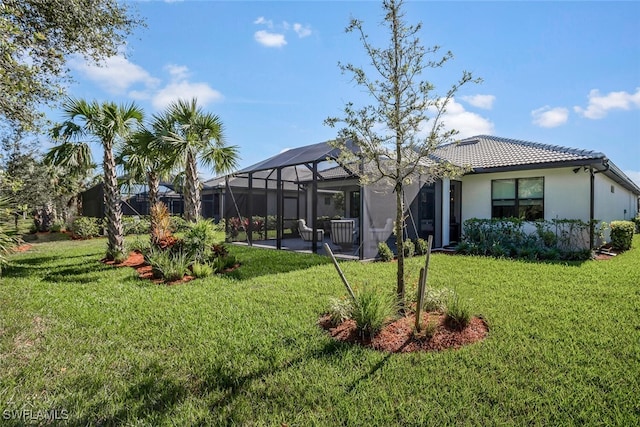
[{"x": 397, "y": 133}]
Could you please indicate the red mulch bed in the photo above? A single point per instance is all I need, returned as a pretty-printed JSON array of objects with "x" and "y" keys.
[
  {"x": 23, "y": 248},
  {"x": 398, "y": 336},
  {"x": 137, "y": 262}
]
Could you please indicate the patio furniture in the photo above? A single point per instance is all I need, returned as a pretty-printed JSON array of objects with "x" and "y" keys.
[
  {"x": 382, "y": 234},
  {"x": 306, "y": 233},
  {"x": 342, "y": 233}
]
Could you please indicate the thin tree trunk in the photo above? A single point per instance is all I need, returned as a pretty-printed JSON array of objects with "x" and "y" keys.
[
  {"x": 192, "y": 190},
  {"x": 400, "y": 249},
  {"x": 113, "y": 211}
]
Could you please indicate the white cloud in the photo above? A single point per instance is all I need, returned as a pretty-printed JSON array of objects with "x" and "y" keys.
[
  {"x": 634, "y": 175},
  {"x": 276, "y": 36},
  {"x": 548, "y": 117},
  {"x": 116, "y": 75},
  {"x": 599, "y": 105},
  {"x": 181, "y": 88},
  {"x": 301, "y": 30},
  {"x": 262, "y": 21},
  {"x": 177, "y": 72},
  {"x": 480, "y": 101},
  {"x": 268, "y": 39},
  {"x": 465, "y": 122}
]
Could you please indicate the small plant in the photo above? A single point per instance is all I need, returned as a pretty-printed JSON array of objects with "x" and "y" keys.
[
  {"x": 408, "y": 249},
  {"x": 118, "y": 257},
  {"x": 437, "y": 299},
  {"x": 384, "y": 252},
  {"x": 199, "y": 239},
  {"x": 458, "y": 313},
  {"x": 138, "y": 244},
  {"x": 340, "y": 309},
  {"x": 430, "y": 329},
  {"x": 170, "y": 266},
  {"x": 160, "y": 223},
  {"x": 201, "y": 270},
  {"x": 57, "y": 227},
  {"x": 371, "y": 310},
  {"x": 177, "y": 224},
  {"x": 86, "y": 227},
  {"x": 221, "y": 264},
  {"x": 421, "y": 246}
]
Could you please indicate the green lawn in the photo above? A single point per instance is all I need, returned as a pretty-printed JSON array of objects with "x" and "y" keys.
[{"x": 102, "y": 347}]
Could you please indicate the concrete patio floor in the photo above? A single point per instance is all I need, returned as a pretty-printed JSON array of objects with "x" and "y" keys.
[{"x": 299, "y": 245}]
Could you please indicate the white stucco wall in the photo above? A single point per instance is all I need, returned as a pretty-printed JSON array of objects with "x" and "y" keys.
[
  {"x": 621, "y": 204},
  {"x": 566, "y": 194}
]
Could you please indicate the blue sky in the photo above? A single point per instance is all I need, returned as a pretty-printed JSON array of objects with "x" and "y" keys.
[{"x": 562, "y": 73}]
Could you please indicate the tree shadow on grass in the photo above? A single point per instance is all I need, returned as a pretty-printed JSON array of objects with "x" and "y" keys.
[{"x": 154, "y": 394}]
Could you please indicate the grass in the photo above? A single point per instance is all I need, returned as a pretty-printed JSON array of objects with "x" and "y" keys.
[{"x": 110, "y": 349}]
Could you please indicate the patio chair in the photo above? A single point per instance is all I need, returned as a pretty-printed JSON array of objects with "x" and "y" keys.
[
  {"x": 342, "y": 233},
  {"x": 306, "y": 233},
  {"x": 382, "y": 234}
]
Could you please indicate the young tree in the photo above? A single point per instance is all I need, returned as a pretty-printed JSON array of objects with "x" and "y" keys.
[
  {"x": 397, "y": 134},
  {"x": 110, "y": 125},
  {"x": 192, "y": 135},
  {"x": 38, "y": 38}
]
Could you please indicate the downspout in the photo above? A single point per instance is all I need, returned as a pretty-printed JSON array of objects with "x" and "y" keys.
[{"x": 592, "y": 174}]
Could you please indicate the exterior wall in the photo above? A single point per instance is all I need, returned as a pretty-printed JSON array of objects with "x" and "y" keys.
[
  {"x": 621, "y": 204},
  {"x": 566, "y": 194}
]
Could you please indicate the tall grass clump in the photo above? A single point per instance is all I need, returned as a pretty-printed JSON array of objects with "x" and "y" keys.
[
  {"x": 458, "y": 313},
  {"x": 371, "y": 310}
]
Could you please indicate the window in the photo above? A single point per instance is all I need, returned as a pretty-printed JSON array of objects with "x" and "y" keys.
[
  {"x": 519, "y": 197},
  {"x": 354, "y": 204}
]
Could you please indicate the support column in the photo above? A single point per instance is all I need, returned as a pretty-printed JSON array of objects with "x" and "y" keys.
[
  {"x": 314, "y": 209},
  {"x": 250, "y": 210},
  {"x": 279, "y": 209},
  {"x": 446, "y": 211}
]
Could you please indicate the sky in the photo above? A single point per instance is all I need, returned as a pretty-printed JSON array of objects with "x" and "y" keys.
[{"x": 560, "y": 73}]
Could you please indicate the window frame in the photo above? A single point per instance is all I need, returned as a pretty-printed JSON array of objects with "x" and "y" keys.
[{"x": 517, "y": 200}]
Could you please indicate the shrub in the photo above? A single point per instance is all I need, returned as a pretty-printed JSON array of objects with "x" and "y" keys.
[
  {"x": 199, "y": 238},
  {"x": 421, "y": 246},
  {"x": 384, "y": 252},
  {"x": 622, "y": 234},
  {"x": 160, "y": 222},
  {"x": 86, "y": 227},
  {"x": 139, "y": 244},
  {"x": 371, "y": 310},
  {"x": 177, "y": 224},
  {"x": 201, "y": 270},
  {"x": 636, "y": 220},
  {"x": 170, "y": 266},
  {"x": 458, "y": 314},
  {"x": 135, "y": 225},
  {"x": 437, "y": 299},
  {"x": 340, "y": 309},
  {"x": 57, "y": 227},
  {"x": 221, "y": 264},
  {"x": 408, "y": 249}
]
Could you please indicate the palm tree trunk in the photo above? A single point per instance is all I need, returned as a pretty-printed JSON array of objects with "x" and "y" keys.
[
  {"x": 113, "y": 212},
  {"x": 192, "y": 190},
  {"x": 154, "y": 185}
]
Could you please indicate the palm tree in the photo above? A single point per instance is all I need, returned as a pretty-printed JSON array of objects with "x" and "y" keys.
[
  {"x": 74, "y": 158},
  {"x": 192, "y": 135},
  {"x": 110, "y": 124}
]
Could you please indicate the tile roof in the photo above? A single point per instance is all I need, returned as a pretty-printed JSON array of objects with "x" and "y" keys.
[{"x": 487, "y": 152}]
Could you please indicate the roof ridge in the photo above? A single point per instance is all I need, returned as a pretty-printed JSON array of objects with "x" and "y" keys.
[{"x": 551, "y": 147}]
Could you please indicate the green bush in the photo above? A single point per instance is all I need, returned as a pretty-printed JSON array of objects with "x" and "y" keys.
[
  {"x": 408, "y": 249},
  {"x": 340, "y": 309},
  {"x": 199, "y": 238},
  {"x": 201, "y": 270},
  {"x": 139, "y": 244},
  {"x": 421, "y": 246},
  {"x": 57, "y": 227},
  {"x": 437, "y": 299},
  {"x": 384, "y": 252},
  {"x": 168, "y": 265},
  {"x": 371, "y": 310},
  {"x": 505, "y": 237},
  {"x": 636, "y": 220},
  {"x": 622, "y": 234},
  {"x": 177, "y": 224},
  {"x": 86, "y": 227},
  {"x": 135, "y": 225},
  {"x": 458, "y": 313}
]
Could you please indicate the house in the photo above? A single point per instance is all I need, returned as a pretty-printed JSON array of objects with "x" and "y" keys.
[
  {"x": 505, "y": 178},
  {"x": 134, "y": 202}
]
